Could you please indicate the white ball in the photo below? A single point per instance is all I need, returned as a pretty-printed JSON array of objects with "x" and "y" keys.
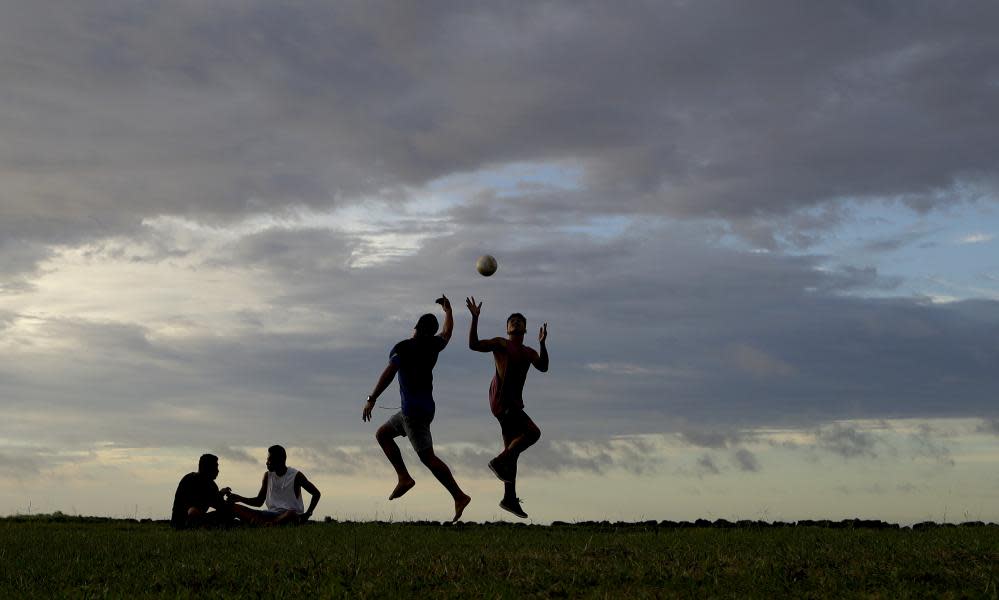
[{"x": 486, "y": 265}]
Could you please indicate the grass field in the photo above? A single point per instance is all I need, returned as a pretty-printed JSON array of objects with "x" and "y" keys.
[{"x": 44, "y": 557}]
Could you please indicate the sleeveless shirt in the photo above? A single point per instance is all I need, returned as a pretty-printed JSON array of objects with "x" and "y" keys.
[{"x": 281, "y": 492}]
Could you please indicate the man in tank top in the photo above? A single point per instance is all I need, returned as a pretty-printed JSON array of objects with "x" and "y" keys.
[
  {"x": 281, "y": 490},
  {"x": 513, "y": 360},
  {"x": 414, "y": 360}
]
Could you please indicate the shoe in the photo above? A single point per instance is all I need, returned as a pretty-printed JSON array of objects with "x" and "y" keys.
[
  {"x": 499, "y": 470},
  {"x": 513, "y": 507}
]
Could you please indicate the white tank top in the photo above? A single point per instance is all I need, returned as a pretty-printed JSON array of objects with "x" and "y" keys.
[{"x": 281, "y": 492}]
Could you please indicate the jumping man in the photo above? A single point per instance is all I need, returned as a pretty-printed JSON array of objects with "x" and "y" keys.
[
  {"x": 414, "y": 361},
  {"x": 506, "y": 400}
]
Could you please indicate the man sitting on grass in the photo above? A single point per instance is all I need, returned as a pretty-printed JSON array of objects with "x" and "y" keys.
[
  {"x": 196, "y": 493},
  {"x": 281, "y": 489}
]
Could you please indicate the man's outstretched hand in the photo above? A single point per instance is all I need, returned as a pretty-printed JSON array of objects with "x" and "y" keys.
[
  {"x": 543, "y": 333},
  {"x": 444, "y": 302},
  {"x": 472, "y": 306}
]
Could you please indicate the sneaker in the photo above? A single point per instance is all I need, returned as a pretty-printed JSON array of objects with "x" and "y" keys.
[
  {"x": 513, "y": 507},
  {"x": 499, "y": 470}
]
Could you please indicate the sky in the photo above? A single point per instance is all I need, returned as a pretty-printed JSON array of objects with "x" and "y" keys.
[{"x": 763, "y": 236}]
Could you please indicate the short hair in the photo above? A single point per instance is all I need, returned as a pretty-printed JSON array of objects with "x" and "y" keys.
[
  {"x": 427, "y": 325},
  {"x": 516, "y": 316},
  {"x": 206, "y": 460},
  {"x": 278, "y": 452}
]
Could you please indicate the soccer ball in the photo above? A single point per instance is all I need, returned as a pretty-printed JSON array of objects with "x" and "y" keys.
[{"x": 486, "y": 265}]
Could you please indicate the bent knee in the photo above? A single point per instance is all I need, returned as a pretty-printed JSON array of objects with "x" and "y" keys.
[
  {"x": 534, "y": 434},
  {"x": 427, "y": 457},
  {"x": 385, "y": 433}
]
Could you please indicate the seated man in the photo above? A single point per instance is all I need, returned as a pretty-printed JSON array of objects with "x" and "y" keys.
[
  {"x": 196, "y": 493},
  {"x": 281, "y": 489}
]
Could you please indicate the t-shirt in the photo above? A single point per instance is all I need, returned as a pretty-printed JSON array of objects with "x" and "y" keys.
[
  {"x": 193, "y": 490},
  {"x": 415, "y": 359}
]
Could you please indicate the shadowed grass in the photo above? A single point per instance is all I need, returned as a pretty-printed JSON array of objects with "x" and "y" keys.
[{"x": 74, "y": 558}]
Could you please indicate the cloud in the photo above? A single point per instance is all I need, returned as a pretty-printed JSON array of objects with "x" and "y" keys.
[
  {"x": 847, "y": 442},
  {"x": 19, "y": 466},
  {"x": 235, "y": 455},
  {"x": 745, "y": 460},
  {"x": 210, "y": 112},
  {"x": 712, "y": 439},
  {"x": 758, "y": 363},
  {"x": 294, "y": 336},
  {"x": 989, "y": 426},
  {"x": 706, "y": 465},
  {"x": 927, "y": 445},
  {"x": 976, "y": 238}
]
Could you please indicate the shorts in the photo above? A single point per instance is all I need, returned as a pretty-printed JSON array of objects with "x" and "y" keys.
[
  {"x": 513, "y": 422},
  {"x": 417, "y": 430}
]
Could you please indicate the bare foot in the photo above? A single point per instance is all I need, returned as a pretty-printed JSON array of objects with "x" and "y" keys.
[
  {"x": 404, "y": 486},
  {"x": 459, "y": 506}
]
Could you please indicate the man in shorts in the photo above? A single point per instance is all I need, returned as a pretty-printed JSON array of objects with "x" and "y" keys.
[
  {"x": 513, "y": 361},
  {"x": 281, "y": 490},
  {"x": 414, "y": 359},
  {"x": 196, "y": 493}
]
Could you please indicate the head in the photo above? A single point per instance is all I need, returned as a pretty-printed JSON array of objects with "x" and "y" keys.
[
  {"x": 516, "y": 324},
  {"x": 208, "y": 465},
  {"x": 276, "y": 458},
  {"x": 426, "y": 326}
]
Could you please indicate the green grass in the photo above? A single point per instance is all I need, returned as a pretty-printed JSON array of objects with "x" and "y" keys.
[{"x": 77, "y": 558}]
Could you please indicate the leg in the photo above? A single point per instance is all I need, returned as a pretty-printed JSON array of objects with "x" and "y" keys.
[
  {"x": 249, "y": 516},
  {"x": 443, "y": 474},
  {"x": 519, "y": 434},
  {"x": 386, "y": 439},
  {"x": 525, "y": 436},
  {"x": 510, "y": 470}
]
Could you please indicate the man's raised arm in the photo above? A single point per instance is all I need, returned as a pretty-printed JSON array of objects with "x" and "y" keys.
[
  {"x": 448, "y": 318},
  {"x": 541, "y": 362},
  {"x": 473, "y": 331}
]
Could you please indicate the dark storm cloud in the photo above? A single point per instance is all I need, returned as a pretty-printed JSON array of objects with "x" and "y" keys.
[{"x": 112, "y": 114}]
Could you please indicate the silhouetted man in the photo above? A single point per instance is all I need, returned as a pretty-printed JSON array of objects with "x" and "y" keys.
[
  {"x": 196, "y": 493},
  {"x": 281, "y": 489},
  {"x": 513, "y": 361},
  {"x": 414, "y": 361}
]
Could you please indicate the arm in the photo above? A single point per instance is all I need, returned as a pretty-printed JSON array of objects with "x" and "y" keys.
[
  {"x": 474, "y": 342},
  {"x": 220, "y": 498},
  {"x": 541, "y": 362},
  {"x": 303, "y": 482},
  {"x": 256, "y": 501},
  {"x": 448, "y": 318},
  {"x": 383, "y": 382}
]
